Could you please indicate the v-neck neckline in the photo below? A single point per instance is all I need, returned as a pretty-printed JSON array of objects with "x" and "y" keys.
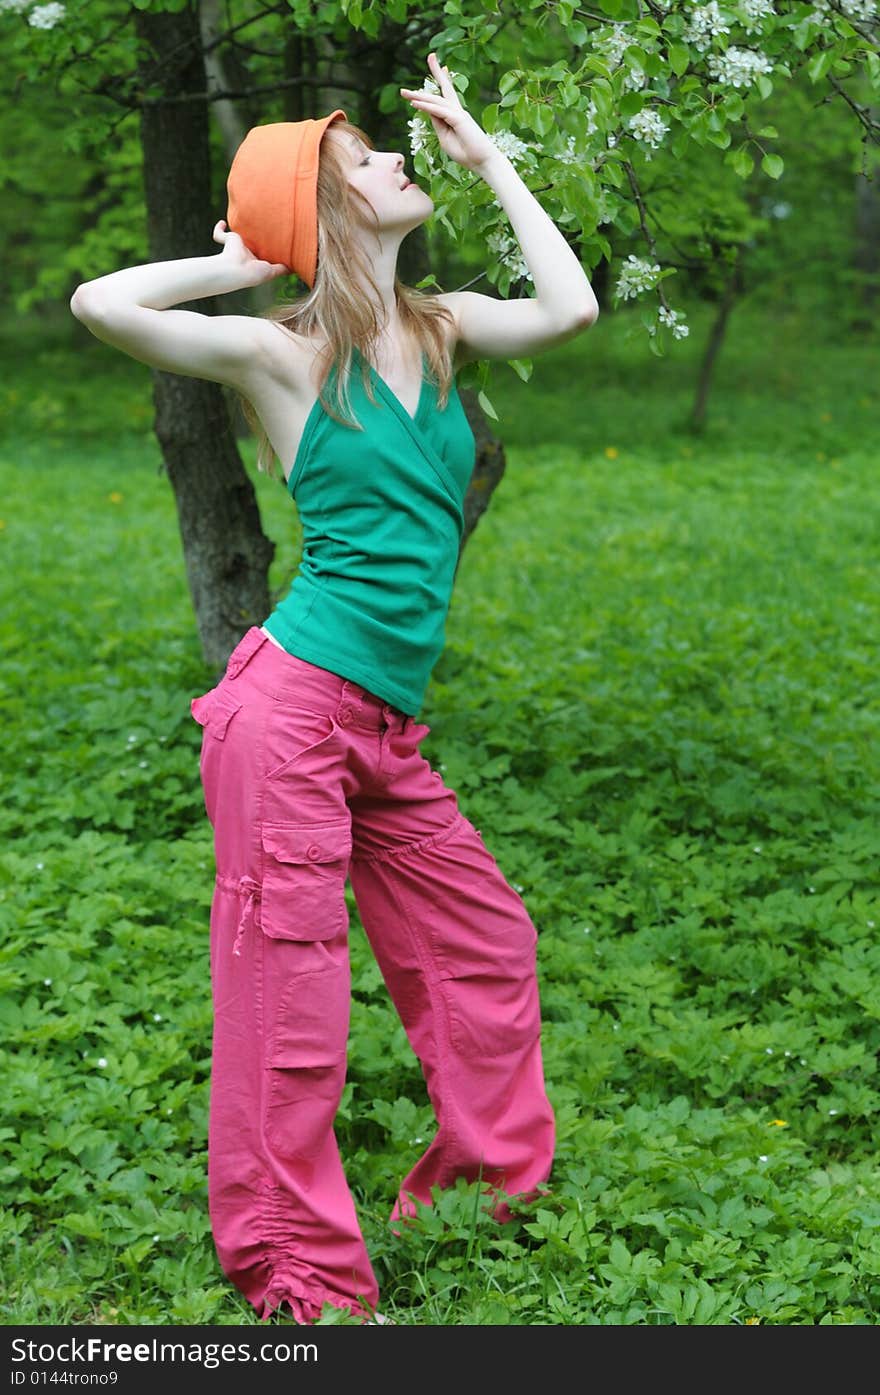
[{"x": 391, "y": 393}]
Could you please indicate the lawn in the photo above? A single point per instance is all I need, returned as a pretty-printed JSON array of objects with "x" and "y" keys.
[{"x": 659, "y": 703}]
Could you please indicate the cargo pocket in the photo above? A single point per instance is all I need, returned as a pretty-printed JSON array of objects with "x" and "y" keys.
[
  {"x": 304, "y": 874},
  {"x": 306, "y": 1057}
]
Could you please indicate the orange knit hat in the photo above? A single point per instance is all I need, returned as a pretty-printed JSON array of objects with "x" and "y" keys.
[{"x": 272, "y": 188}]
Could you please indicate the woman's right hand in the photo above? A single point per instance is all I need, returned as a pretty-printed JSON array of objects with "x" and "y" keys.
[{"x": 247, "y": 269}]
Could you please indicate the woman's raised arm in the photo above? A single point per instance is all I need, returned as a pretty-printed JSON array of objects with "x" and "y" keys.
[
  {"x": 129, "y": 309},
  {"x": 564, "y": 302}
]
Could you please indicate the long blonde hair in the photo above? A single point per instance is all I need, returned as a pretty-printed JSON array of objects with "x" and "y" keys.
[{"x": 336, "y": 307}]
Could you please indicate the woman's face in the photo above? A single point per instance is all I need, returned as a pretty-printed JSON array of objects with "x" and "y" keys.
[{"x": 380, "y": 176}]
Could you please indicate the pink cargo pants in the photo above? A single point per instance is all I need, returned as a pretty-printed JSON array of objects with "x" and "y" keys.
[{"x": 309, "y": 780}]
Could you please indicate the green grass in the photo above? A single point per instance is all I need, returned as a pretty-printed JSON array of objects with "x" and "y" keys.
[{"x": 659, "y": 702}]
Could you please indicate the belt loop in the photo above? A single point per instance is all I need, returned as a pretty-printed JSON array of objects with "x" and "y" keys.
[{"x": 244, "y": 651}]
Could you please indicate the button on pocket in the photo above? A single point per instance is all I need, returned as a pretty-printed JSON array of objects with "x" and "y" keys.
[{"x": 304, "y": 875}]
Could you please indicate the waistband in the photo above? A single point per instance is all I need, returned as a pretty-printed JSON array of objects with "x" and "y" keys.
[{"x": 282, "y": 675}]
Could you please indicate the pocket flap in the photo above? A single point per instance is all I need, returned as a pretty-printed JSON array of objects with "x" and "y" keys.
[
  {"x": 329, "y": 842},
  {"x": 215, "y": 710}
]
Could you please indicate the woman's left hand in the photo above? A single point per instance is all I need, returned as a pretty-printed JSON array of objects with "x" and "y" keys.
[{"x": 460, "y": 136}]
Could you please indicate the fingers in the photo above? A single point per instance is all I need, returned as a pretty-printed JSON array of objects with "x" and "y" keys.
[
  {"x": 441, "y": 73},
  {"x": 442, "y": 78}
]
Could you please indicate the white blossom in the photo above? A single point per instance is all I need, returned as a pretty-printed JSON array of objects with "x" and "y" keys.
[
  {"x": 634, "y": 79},
  {"x": 680, "y": 330},
  {"x": 853, "y": 9},
  {"x": 752, "y": 12},
  {"x": 507, "y": 252},
  {"x": 569, "y": 155},
  {"x": 636, "y": 275},
  {"x": 510, "y": 145},
  {"x": 13, "y": 7},
  {"x": 46, "y": 16},
  {"x": 648, "y": 126},
  {"x": 102, "y": 1061},
  {"x": 739, "y": 66},
  {"x": 706, "y": 23},
  {"x": 611, "y": 43}
]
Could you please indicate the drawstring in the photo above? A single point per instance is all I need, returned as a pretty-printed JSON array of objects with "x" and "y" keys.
[{"x": 245, "y": 884}]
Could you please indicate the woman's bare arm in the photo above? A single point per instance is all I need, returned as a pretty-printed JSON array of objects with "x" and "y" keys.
[{"x": 129, "y": 309}]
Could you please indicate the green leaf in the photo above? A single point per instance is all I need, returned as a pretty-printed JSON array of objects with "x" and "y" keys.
[
  {"x": 820, "y": 63},
  {"x": 487, "y": 406},
  {"x": 743, "y": 162},
  {"x": 772, "y": 165}
]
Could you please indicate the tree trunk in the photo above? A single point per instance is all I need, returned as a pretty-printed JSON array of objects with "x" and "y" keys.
[
  {"x": 732, "y": 291},
  {"x": 226, "y": 553}
]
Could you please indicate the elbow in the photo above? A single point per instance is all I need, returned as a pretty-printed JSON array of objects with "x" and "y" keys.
[
  {"x": 587, "y": 315},
  {"x": 81, "y": 305}
]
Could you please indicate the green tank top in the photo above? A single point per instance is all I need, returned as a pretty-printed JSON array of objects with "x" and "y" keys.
[{"x": 382, "y": 520}]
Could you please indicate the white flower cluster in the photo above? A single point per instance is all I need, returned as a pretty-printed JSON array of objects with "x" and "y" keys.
[
  {"x": 753, "y": 12},
  {"x": 612, "y": 43},
  {"x": 634, "y": 79},
  {"x": 706, "y": 23},
  {"x": 13, "y": 7},
  {"x": 648, "y": 126},
  {"x": 675, "y": 320},
  {"x": 46, "y": 16},
  {"x": 739, "y": 66},
  {"x": 420, "y": 128},
  {"x": 507, "y": 251},
  {"x": 420, "y": 131},
  {"x": 853, "y": 9},
  {"x": 511, "y": 146},
  {"x": 636, "y": 275},
  {"x": 569, "y": 155}
]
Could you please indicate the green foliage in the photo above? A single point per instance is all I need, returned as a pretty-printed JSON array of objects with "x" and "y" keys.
[{"x": 659, "y": 703}]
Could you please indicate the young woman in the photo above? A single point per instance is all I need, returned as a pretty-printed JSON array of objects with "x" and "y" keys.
[{"x": 310, "y": 761}]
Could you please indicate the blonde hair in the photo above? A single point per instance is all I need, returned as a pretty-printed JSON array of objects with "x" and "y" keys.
[{"x": 336, "y": 306}]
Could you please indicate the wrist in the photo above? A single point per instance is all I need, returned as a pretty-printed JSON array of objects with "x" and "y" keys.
[{"x": 495, "y": 163}]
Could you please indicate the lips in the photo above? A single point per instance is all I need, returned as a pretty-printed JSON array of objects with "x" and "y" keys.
[{"x": 406, "y": 185}]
